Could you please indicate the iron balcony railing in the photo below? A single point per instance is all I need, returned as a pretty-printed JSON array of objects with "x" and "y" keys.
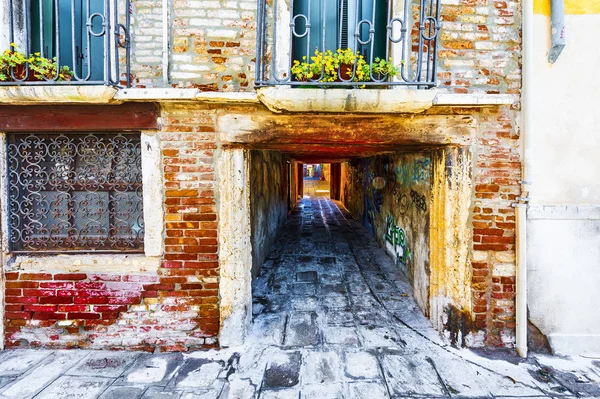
[
  {"x": 347, "y": 43},
  {"x": 67, "y": 42}
]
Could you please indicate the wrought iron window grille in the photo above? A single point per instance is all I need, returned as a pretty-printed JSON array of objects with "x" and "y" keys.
[
  {"x": 372, "y": 28},
  {"x": 90, "y": 37},
  {"x": 75, "y": 193}
]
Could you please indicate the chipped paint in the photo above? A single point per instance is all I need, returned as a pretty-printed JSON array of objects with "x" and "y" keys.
[
  {"x": 450, "y": 238},
  {"x": 235, "y": 247}
]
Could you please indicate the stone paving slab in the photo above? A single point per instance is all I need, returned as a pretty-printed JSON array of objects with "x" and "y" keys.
[
  {"x": 151, "y": 369},
  {"x": 103, "y": 364},
  {"x": 367, "y": 390},
  {"x": 301, "y": 329},
  {"x": 44, "y": 373},
  {"x": 410, "y": 375},
  {"x": 121, "y": 392},
  {"x": 70, "y": 387},
  {"x": 283, "y": 370},
  {"x": 196, "y": 374},
  {"x": 18, "y": 361}
]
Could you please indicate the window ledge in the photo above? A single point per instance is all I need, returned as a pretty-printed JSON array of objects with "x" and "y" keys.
[
  {"x": 372, "y": 101},
  {"x": 168, "y": 94},
  {"x": 24, "y": 95},
  {"x": 90, "y": 263}
]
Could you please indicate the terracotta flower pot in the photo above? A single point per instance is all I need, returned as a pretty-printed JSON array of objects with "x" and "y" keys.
[
  {"x": 18, "y": 71},
  {"x": 345, "y": 72}
]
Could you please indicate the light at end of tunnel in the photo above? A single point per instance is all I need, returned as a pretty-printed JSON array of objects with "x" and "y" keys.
[{"x": 322, "y": 191}]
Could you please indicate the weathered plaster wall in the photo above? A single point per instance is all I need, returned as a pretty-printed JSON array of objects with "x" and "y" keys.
[
  {"x": 451, "y": 289},
  {"x": 391, "y": 195},
  {"x": 269, "y": 202},
  {"x": 235, "y": 246},
  {"x": 564, "y": 213},
  {"x": 562, "y": 271}
]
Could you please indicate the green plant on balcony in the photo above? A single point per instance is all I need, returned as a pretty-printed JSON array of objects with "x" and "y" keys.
[
  {"x": 45, "y": 68},
  {"x": 14, "y": 63},
  {"x": 382, "y": 68},
  {"x": 323, "y": 66},
  {"x": 341, "y": 66}
]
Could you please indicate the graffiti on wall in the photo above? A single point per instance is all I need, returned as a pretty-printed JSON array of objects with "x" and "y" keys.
[
  {"x": 401, "y": 202},
  {"x": 418, "y": 200},
  {"x": 396, "y": 242},
  {"x": 415, "y": 172}
]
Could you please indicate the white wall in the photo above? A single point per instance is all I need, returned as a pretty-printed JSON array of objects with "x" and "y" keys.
[{"x": 564, "y": 216}]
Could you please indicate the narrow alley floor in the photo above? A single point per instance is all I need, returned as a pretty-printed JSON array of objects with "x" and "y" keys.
[
  {"x": 316, "y": 188},
  {"x": 332, "y": 318}
]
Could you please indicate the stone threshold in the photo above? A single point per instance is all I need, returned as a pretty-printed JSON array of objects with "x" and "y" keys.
[{"x": 276, "y": 99}]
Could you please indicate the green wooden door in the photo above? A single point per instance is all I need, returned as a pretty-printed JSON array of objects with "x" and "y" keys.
[{"x": 341, "y": 18}]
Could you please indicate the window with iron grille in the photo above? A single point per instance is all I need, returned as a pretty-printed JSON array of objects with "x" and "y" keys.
[{"x": 75, "y": 192}]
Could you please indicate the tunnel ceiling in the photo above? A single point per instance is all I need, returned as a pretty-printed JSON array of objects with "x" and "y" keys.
[
  {"x": 333, "y": 153},
  {"x": 339, "y": 137}
]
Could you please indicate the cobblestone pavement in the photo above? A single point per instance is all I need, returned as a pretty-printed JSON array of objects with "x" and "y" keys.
[{"x": 333, "y": 318}]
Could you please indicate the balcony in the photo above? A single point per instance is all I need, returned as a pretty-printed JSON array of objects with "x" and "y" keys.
[
  {"x": 347, "y": 43},
  {"x": 65, "y": 42}
]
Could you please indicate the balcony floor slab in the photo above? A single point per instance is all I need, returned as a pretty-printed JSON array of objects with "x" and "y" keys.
[
  {"x": 57, "y": 94},
  {"x": 371, "y": 101}
]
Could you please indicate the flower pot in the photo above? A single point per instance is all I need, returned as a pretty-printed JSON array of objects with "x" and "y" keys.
[
  {"x": 345, "y": 72},
  {"x": 19, "y": 72}
]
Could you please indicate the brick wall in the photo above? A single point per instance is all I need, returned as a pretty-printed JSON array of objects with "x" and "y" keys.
[
  {"x": 175, "y": 308},
  {"x": 480, "y": 46},
  {"x": 191, "y": 251},
  {"x": 72, "y": 309},
  {"x": 212, "y": 44},
  {"x": 146, "y": 43},
  {"x": 496, "y": 175}
]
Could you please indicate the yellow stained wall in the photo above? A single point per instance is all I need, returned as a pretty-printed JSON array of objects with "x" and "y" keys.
[{"x": 574, "y": 7}]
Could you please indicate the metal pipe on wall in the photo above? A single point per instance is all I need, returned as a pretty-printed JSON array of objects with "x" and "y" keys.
[
  {"x": 527, "y": 131},
  {"x": 557, "y": 13}
]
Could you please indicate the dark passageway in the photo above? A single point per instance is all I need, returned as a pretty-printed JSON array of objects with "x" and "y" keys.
[{"x": 328, "y": 283}]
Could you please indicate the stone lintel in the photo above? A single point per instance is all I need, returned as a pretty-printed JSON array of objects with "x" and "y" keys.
[{"x": 263, "y": 127}]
